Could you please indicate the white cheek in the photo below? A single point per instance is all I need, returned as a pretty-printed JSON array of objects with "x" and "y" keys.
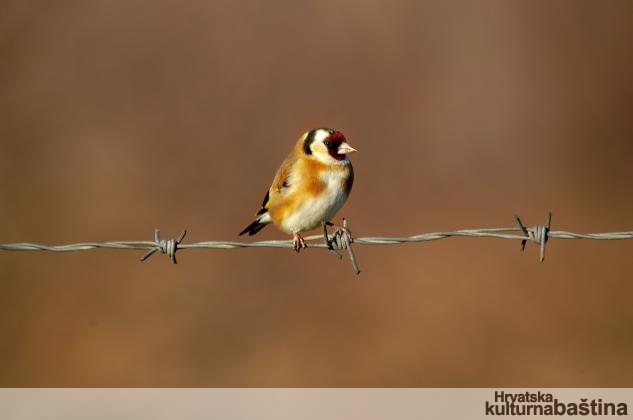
[
  {"x": 320, "y": 135},
  {"x": 324, "y": 156}
]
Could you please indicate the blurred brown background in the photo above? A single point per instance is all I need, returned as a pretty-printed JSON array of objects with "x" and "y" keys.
[{"x": 119, "y": 117}]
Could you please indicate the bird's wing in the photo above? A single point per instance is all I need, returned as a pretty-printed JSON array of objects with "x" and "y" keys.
[
  {"x": 264, "y": 207},
  {"x": 280, "y": 182}
]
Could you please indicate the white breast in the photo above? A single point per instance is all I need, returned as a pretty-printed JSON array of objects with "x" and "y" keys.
[{"x": 321, "y": 208}]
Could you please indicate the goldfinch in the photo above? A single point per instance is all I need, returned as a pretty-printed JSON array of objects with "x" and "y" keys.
[{"x": 310, "y": 186}]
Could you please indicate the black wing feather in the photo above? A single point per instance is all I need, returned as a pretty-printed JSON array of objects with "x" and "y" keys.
[
  {"x": 264, "y": 203},
  {"x": 253, "y": 228}
]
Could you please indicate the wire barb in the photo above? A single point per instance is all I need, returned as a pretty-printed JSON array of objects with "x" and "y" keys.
[
  {"x": 169, "y": 246},
  {"x": 537, "y": 234},
  {"x": 342, "y": 240}
]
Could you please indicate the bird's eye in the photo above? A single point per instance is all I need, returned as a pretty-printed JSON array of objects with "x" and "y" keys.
[{"x": 328, "y": 143}]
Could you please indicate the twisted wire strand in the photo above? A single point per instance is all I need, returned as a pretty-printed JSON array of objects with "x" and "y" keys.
[
  {"x": 341, "y": 239},
  {"x": 366, "y": 240}
]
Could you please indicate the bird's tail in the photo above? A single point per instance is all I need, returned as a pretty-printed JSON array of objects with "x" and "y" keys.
[{"x": 262, "y": 220}]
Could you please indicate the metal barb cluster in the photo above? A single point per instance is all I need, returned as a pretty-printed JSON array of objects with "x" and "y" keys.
[
  {"x": 340, "y": 240},
  {"x": 168, "y": 247},
  {"x": 537, "y": 234}
]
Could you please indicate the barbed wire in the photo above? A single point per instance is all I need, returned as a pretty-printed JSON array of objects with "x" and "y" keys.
[{"x": 340, "y": 240}]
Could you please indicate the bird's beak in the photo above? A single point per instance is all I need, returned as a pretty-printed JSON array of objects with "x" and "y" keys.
[{"x": 345, "y": 148}]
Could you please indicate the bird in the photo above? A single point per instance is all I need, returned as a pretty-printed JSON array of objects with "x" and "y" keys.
[{"x": 309, "y": 188}]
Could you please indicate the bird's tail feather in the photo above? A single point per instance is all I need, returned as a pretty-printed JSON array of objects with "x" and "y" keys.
[{"x": 255, "y": 227}]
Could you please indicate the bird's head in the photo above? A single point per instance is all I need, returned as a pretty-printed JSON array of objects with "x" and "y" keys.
[{"x": 326, "y": 145}]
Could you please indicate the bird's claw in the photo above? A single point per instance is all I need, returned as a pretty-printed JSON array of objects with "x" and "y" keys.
[
  {"x": 342, "y": 230},
  {"x": 298, "y": 242},
  {"x": 349, "y": 234}
]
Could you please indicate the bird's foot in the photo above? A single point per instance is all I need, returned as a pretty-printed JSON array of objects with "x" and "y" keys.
[
  {"x": 340, "y": 230},
  {"x": 328, "y": 241},
  {"x": 298, "y": 242}
]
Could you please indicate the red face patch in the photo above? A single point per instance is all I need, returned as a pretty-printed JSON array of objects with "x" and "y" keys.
[
  {"x": 332, "y": 142},
  {"x": 336, "y": 136}
]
